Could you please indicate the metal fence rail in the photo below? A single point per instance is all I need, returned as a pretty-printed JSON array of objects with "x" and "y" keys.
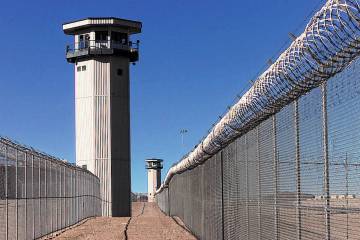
[
  {"x": 40, "y": 194},
  {"x": 295, "y": 175}
]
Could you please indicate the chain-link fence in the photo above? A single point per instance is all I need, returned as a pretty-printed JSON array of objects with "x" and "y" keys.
[
  {"x": 40, "y": 194},
  {"x": 296, "y": 175}
]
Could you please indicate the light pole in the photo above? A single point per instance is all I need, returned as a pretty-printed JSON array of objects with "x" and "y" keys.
[{"x": 183, "y": 132}]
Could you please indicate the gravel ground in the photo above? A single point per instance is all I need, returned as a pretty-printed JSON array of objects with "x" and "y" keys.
[{"x": 147, "y": 222}]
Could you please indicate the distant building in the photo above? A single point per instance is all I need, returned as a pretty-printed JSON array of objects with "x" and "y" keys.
[
  {"x": 153, "y": 166},
  {"x": 139, "y": 197},
  {"x": 336, "y": 196}
]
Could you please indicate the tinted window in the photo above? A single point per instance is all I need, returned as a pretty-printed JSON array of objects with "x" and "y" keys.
[
  {"x": 119, "y": 37},
  {"x": 101, "y": 36}
]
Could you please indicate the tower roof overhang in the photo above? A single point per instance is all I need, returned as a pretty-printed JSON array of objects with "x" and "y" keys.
[
  {"x": 132, "y": 27},
  {"x": 154, "y": 160}
]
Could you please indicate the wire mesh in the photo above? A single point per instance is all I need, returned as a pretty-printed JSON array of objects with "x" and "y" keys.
[
  {"x": 38, "y": 193},
  {"x": 293, "y": 176}
]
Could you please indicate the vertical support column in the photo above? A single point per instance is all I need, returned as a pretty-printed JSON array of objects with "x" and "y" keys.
[
  {"x": 81, "y": 194},
  {"x": 16, "y": 196},
  {"x": 222, "y": 193},
  {"x": 169, "y": 205},
  {"x": 45, "y": 197},
  {"x": 58, "y": 201},
  {"x": 93, "y": 195},
  {"x": 64, "y": 197},
  {"x": 275, "y": 155},
  {"x": 247, "y": 188},
  {"x": 25, "y": 192},
  {"x": 51, "y": 197},
  {"x": 298, "y": 169},
  {"x": 326, "y": 159},
  {"x": 259, "y": 178},
  {"x": 39, "y": 202},
  {"x": 56, "y": 196},
  {"x": 6, "y": 195},
  {"x": 71, "y": 196},
  {"x": 347, "y": 195},
  {"x": 32, "y": 194},
  {"x": 77, "y": 195}
]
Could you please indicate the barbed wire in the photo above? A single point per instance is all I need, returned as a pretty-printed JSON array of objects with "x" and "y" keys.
[{"x": 328, "y": 44}]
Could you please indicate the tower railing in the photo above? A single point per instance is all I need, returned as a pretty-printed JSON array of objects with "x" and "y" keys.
[{"x": 87, "y": 45}]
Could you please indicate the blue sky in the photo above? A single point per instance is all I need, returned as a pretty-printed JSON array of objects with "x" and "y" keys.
[{"x": 196, "y": 56}]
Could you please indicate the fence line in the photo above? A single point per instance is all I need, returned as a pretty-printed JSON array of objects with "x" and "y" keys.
[
  {"x": 40, "y": 194},
  {"x": 294, "y": 176},
  {"x": 284, "y": 162}
]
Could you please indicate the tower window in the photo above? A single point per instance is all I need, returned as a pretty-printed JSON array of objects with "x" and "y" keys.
[
  {"x": 78, "y": 69},
  {"x": 101, "y": 36},
  {"x": 119, "y": 72},
  {"x": 84, "y": 166},
  {"x": 119, "y": 37},
  {"x": 83, "y": 68}
]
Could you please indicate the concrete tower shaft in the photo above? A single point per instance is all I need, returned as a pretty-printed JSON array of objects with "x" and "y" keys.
[{"x": 101, "y": 53}]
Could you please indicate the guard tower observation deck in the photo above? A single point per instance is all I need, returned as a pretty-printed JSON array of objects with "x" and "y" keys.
[
  {"x": 154, "y": 163},
  {"x": 108, "y": 36}
]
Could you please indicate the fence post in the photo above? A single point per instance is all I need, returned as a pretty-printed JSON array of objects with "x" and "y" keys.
[
  {"x": 64, "y": 197},
  {"x": 46, "y": 197},
  {"x": 168, "y": 193},
  {"x": 51, "y": 197},
  {"x": 222, "y": 192},
  {"x": 32, "y": 194},
  {"x": 25, "y": 192},
  {"x": 39, "y": 164},
  {"x": 326, "y": 159},
  {"x": 6, "y": 195},
  {"x": 72, "y": 208},
  {"x": 77, "y": 197},
  {"x": 275, "y": 155},
  {"x": 259, "y": 178},
  {"x": 16, "y": 196},
  {"x": 56, "y": 196},
  {"x": 247, "y": 188},
  {"x": 298, "y": 168}
]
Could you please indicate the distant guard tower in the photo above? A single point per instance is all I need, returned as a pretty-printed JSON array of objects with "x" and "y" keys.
[
  {"x": 153, "y": 167},
  {"x": 101, "y": 54}
]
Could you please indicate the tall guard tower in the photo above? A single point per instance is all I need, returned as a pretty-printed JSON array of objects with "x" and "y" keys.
[
  {"x": 101, "y": 53},
  {"x": 153, "y": 166}
]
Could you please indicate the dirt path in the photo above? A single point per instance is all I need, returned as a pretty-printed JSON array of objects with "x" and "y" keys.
[
  {"x": 155, "y": 225},
  {"x": 147, "y": 222}
]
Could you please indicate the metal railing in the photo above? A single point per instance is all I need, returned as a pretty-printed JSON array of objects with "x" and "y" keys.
[
  {"x": 40, "y": 194},
  {"x": 99, "y": 45}
]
